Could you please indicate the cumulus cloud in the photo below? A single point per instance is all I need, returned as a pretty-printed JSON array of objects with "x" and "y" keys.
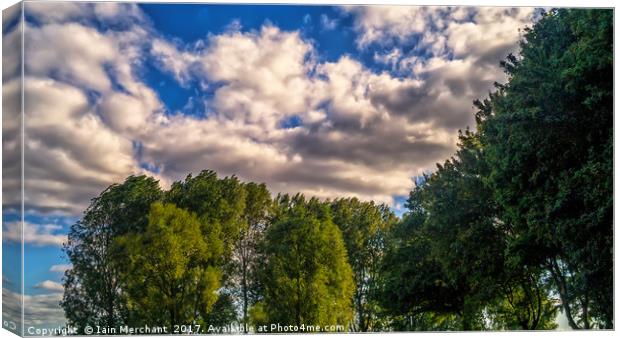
[
  {"x": 432, "y": 42},
  {"x": 11, "y": 108},
  {"x": 11, "y": 145},
  {"x": 454, "y": 51},
  {"x": 276, "y": 113},
  {"x": 43, "y": 310},
  {"x": 35, "y": 234},
  {"x": 347, "y": 142},
  {"x": 84, "y": 107},
  {"x": 392, "y": 24},
  {"x": 12, "y": 309},
  {"x": 49, "y": 285},
  {"x": 71, "y": 152},
  {"x": 108, "y": 12},
  {"x": 11, "y": 43},
  {"x": 463, "y": 29},
  {"x": 266, "y": 67}
]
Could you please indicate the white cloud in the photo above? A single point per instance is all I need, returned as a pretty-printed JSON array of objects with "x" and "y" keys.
[
  {"x": 60, "y": 12},
  {"x": 49, "y": 285},
  {"x": 345, "y": 134},
  {"x": 85, "y": 106},
  {"x": 11, "y": 145},
  {"x": 459, "y": 31},
  {"x": 389, "y": 24},
  {"x": 454, "y": 51},
  {"x": 493, "y": 30},
  {"x": 71, "y": 151},
  {"x": 175, "y": 61},
  {"x": 39, "y": 310},
  {"x": 11, "y": 307},
  {"x": 35, "y": 234},
  {"x": 327, "y": 23},
  {"x": 390, "y": 58},
  {"x": 11, "y": 108},
  {"x": 361, "y": 133},
  {"x": 75, "y": 52},
  {"x": 11, "y": 48},
  {"x": 60, "y": 267}
]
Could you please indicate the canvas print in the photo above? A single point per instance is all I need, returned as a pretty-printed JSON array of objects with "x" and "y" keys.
[{"x": 188, "y": 168}]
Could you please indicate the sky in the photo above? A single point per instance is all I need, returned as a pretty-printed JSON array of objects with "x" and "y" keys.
[{"x": 325, "y": 100}]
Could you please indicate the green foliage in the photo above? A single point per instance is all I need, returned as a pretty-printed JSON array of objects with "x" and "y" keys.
[
  {"x": 258, "y": 205},
  {"x": 525, "y": 305},
  {"x": 443, "y": 266},
  {"x": 222, "y": 313},
  {"x": 170, "y": 274},
  {"x": 460, "y": 216},
  {"x": 364, "y": 226},
  {"x": 306, "y": 277},
  {"x": 548, "y": 137},
  {"x": 415, "y": 288},
  {"x": 218, "y": 203},
  {"x": 92, "y": 287}
]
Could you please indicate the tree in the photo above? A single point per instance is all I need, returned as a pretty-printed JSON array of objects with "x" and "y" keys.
[
  {"x": 219, "y": 204},
  {"x": 216, "y": 202},
  {"x": 306, "y": 277},
  {"x": 416, "y": 293},
  {"x": 93, "y": 287},
  {"x": 548, "y": 137},
  {"x": 171, "y": 273},
  {"x": 255, "y": 220},
  {"x": 467, "y": 244},
  {"x": 222, "y": 313},
  {"x": 524, "y": 304},
  {"x": 454, "y": 238},
  {"x": 364, "y": 226}
]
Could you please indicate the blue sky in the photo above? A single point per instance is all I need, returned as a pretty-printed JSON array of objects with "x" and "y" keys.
[{"x": 325, "y": 100}]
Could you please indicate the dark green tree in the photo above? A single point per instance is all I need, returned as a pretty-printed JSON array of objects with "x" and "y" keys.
[
  {"x": 93, "y": 287},
  {"x": 460, "y": 222},
  {"x": 548, "y": 138},
  {"x": 453, "y": 235},
  {"x": 416, "y": 293},
  {"x": 222, "y": 313}
]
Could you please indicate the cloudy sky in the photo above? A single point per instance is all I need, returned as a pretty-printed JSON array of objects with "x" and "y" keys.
[{"x": 325, "y": 100}]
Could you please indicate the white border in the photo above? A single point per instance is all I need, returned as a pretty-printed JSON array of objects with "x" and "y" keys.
[{"x": 522, "y": 3}]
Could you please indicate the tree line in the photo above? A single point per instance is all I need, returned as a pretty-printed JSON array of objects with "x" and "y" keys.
[{"x": 515, "y": 227}]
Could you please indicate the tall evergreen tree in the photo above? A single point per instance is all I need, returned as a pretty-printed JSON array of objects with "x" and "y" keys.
[
  {"x": 416, "y": 292},
  {"x": 548, "y": 135}
]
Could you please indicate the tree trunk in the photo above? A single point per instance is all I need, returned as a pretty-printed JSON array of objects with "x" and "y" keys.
[
  {"x": 560, "y": 282},
  {"x": 244, "y": 278}
]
